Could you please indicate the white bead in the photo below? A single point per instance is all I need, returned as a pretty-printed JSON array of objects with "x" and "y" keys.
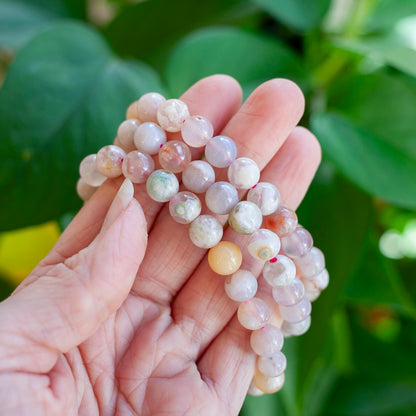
[
  {"x": 162, "y": 185},
  {"x": 254, "y": 391},
  {"x": 184, "y": 207},
  {"x": 290, "y": 294},
  {"x": 311, "y": 263},
  {"x": 220, "y": 151},
  {"x": 172, "y": 114},
  {"x": 109, "y": 161},
  {"x": 263, "y": 244},
  {"x": 245, "y": 217},
  {"x": 149, "y": 137},
  {"x": 196, "y": 131},
  {"x": 266, "y": 196},
  {"x": 298, "y": 243},
  {"x": 84, "y": 190},
  {"x": 241, "y": 286},
  {"x": 267, "y": 340},
  {"x": 89, "y": 173},
  {"x": 320, "y": 280},
  {"x": 253, "y": 313},
  {"x": 221, "y": 197},
  {"x": 198, "y": 176},
  {"x": 205, "y": 231},
  {"x": 272, "y": 366},
  {"x": 298, "y": 328},
  {"x": 243, "y": 173},
  {"x": 147, "y": 106},
  {"x": 269, "y": 384},
  {"x": 279, "y": 271},
  {"x": 311, "y": 291},
  {"x": 125, "y": 132},
  {"x": 137, "y": 166},
  {"x": 296, "y": 313}
]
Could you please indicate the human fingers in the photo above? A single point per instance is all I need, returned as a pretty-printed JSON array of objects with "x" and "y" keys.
[
  {"x": 202, "y": 307},
  {"x": 62, "y": 308},
  {"x": 259, "y": 128}
]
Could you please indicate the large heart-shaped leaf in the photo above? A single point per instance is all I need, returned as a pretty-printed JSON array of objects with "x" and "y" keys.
[
  {"x": 249, "y": 57},
  {"x": 369, "y": 161},
  {"x": 21, "y": 19},
  {"x": 300, "y": 14},
  {"x": 63, "y": 98}
]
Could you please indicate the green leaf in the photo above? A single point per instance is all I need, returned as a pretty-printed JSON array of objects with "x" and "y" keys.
[
  {"x": 375, "y": 165},
  {"x": 63, "y": 98},
  {"x": 22, "y": 19},
  {"x": 385, "y": 51},
  {"x": 380, "y": 103},
  {"x": 148, "y": 29},
  {"x": 226, "y": 50},
  {"x": 389, "y": 12},
  {"x": 300, "y": 14}
]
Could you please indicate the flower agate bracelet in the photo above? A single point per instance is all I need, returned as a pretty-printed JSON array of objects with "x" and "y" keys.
[{"x": 296, "y": 277}]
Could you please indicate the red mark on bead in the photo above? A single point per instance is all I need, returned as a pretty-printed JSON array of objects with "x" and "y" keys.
[
  {"x": 161, "y": 146},
  {"x": 254, "y": 186},
  {"x": 273, "y": 260}
]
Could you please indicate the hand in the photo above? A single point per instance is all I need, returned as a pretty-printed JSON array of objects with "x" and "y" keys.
[{"x": 104, "y": 325}]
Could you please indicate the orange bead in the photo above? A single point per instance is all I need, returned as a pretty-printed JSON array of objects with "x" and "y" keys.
[
  {"x": 225, "y": 258},
  {"x": 268, "y": 384}
]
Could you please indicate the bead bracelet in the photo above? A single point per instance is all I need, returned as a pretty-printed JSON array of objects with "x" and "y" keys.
[{"x": 296, "y": 276}]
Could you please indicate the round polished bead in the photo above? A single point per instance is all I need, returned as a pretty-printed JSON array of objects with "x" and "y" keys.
[
  {"x": 298, "y": 243},
  {"x": 269, "y": 384},
  {"x": 312, "y": 263},
  {"x": 137, "y": 166},
  {"x": 279, "y": 271},
  {"x": 296, "y": 313},
  {"x": 243, "y": 173},
  {"x": 290, "y": 294},
  {"x": 127, "y": 149},
  {"x": 184, "y": 207},
  {"x": 272, "y": 366},
  {"x": 221, "y": 197},
  {"x": 266, "y": 196},
  {"x": 245, "y": 217},
  {"x": 320, "y": 280},
  {"x": 241, "y": 286},
  {"x": 263, "y": 244},
  {"x": 149, "y": 137},
  {"x": 297, "y": 328},
  {"x": 198, "y": 176},
  {"x": 267, "y": 340},
  {"x": 132, "y": 111},
  {"x": 311, "y": 291},
  {"x": 225, "y": 258},
  {"x": 254, "y": 391},
  {"x": 125, "y": 132},
  {"x": 197, "y": 131},
  {"x": 205, "y": 231},
  {"x": 282, "y": 222},
  {"x": 172, "y": 114},
  {"x": 109, "y": 160},
  {"x": 161, "y": 185},
  {"x": 147, "y": 106},
  {"x": 175, "y": 156},
  {"x": 89, "y": 173},
  {"x": 253, "y": 314},
  {"x": 220, "y": 151},
  {"x": 84, "y": 190}
]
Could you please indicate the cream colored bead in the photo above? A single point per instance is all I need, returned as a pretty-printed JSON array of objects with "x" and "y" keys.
[
  {"x": 268, "y": 384},
  {"x": 172, "y": 114},
  {"x": 225, "y": 258}
]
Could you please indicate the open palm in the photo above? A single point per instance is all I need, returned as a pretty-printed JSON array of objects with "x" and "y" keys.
[{"x": 115, "y": 321}]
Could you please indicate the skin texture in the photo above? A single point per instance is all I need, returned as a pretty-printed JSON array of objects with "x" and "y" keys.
[{"x": 124, "y": 316}]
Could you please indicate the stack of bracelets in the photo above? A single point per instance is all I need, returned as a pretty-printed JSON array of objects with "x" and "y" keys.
[{"x": 297, "y": 277}]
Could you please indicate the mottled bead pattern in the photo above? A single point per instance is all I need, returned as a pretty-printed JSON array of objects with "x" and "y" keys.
[
  {"x": 162, "y": 185},
  {"x": 184, "y": 207},
  {"x": 125, "y": 132},
  {"x": 241, "y": 286},
  {"x": 109, "y": 160},
  {"x": 198, "y": 176},
  {"x": 297, "y": 312},
  {"x": 149, "y": 137},
  {"x": 220, "y": 151},
  {"x": 267, "y": 340},
  {"x": 312, "y": 263},
  {"x": 266, "y": 196},
  {"x": 298, "y": 243},
  {"x": 148, "y": 105},
  {"x": 253, "y": 314},
  {"x": 282, "y": 222},
  {"x": 290, "y": 294},
  {"x": 137, "y": 166},
  {"x": 263, "y": 244},
  {"x": 205, "y": 231},
  {"x": 272, "y": 366},
  {"x": 221, "y": 197},
  {"x": 243, "y": 173},
  {"x": 279, "y": 271},
  {"x": 172, "y": 114},
  {"x": 245, "y": 217},
  {"x": 197, "y": 131},
  {"x": 268, "y": 384},
  {"x": 174, "y": 156},
  {"x": 295, "y": 329},
  {"x": 89, "y": 173}
]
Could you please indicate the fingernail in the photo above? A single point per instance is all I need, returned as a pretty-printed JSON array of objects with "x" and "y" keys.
[{"x": 120, "y": 202}]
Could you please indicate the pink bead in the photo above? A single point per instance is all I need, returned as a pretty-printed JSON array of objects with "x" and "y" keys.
[
  {"x": 241, "y": 286},
  {"x": 298, "y": 243},
  {"x": 196, "y": 131},
  {"x": 312, "y": 263},
  {"x": 266, "y": 196},
  {"x": 172, "y": 114},
  {"x": 297, "y": 328},
  {"x": 109, "y": 161},
  {"x": 89, "y": 173},
  {"x": 243, "y": 173},
  {"x": 311, "y": 291},
  {"x": 149, "y": 137},
  {"x": 125, "y": 132},
  {"x": 220, "y": 151},
  {"x": 253, "y": 313},
  {"x": 84, "y": 190},
  {"x": 267, "y": 340},
  {"x": 175, "y": 156},
  {"x": 320, "y": 280},
  {"x": 137, "y": 166},
  {"x": 147, "y": 106},
  {"x": 279, "y": 271},
  {"x": 297, "y": 312},
  {"x": 282, "y": 222},
  {"x": 198, "y": 176},
  {"x": 272, "y": 366},
  {"x": 290, "y": 294}
]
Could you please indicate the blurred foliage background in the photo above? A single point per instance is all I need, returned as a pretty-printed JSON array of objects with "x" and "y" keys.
[{"x": 68, "y": 70}]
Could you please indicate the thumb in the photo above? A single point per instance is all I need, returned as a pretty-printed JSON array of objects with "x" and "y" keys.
[{"x": 61, "y": 309}]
